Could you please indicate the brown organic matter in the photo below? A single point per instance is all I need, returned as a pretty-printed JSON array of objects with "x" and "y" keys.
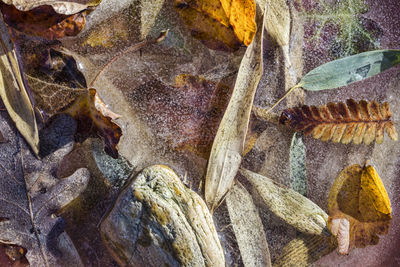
[
  {"x": 43, "y": 21},
  {"x": 354, "y": 121},
  {"x": 91, "y": 122}
]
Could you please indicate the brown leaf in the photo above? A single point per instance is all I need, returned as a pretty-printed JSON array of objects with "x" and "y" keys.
[
  {"x": 91, "y": 122},
  {"x": 11, "y": 255},
  {"x": 29, "y": 198},
  {"x": 359, "y": 208},
  {"x": 43, "y": 21},
  {"x": 60, "y": 87},
  {"x": 66, "y": 7},
  {"x": 358, "y": 122},
  {"x": 54, "y": 79}
]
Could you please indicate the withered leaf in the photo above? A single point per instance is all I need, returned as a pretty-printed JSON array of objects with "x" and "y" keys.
[
  {"x": 221, "y": 25},
  {"x": 241, "y": 15},
  {"x": 61, "y": 7},
  {"x": 91, "y": 122},
  {"x": 248, "y": 228},
  {"x": 11, "y": 255},
  {"x": 43, "y": 21},
  {"x": 13, "y": 92},
  {"x": 287, "y": 204},
  {"x": 354, "y": 121},
  {"x": 54, "y": 79},
  {"x": 229, "y": 143},
  {"x": 359, "y": 208},
  {"x": 30, "y": 196},
  {"x": 59, "y": 87},
  {"x": 304, "y": 250}
]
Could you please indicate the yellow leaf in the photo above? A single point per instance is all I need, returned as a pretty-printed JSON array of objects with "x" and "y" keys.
[
  {"x": 374, "y": 201},
  {"x": 359, "y": 208},
  {"x": 220, "y": 25},
  {"x": 241, "y": 14}
]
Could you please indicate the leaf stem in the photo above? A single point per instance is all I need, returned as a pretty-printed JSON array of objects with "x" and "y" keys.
[
  {"x": 130, "y": 49},
  {"x": 283, "y": 97}
]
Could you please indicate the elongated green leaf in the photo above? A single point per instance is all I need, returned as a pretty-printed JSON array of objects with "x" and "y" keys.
[
  {"x": 298, "y": 179},
  {"x": 13, "y": 92},
  {"x": 350, "y": 69}
]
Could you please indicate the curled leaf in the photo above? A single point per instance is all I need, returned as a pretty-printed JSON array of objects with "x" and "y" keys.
[
  {"x": 359, "y": 208},
  {"x": 43, "y": 21},
  {"x": 61, "y": 7},
  {"x": 228, "y": 145},
  {"x": 14, "y": 94},
  {"x": 349, "y": 69},
  {"x": 248, "y": 228},
  {"x": 354, "y": 121},
  {"x": 287, "y": 204},
  {"x": 92, "y": 122}
]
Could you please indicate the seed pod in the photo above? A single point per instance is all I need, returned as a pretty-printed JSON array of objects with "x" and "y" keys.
[{"x": 157, "y": 221}]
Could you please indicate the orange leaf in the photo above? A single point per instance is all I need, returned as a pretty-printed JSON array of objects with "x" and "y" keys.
[
  {"x": 92, "y": 122},
  {"x": 43, "y": 21},
  {"x": 359, "y": 208}
]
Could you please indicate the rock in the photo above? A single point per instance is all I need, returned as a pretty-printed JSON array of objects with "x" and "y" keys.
[{"x": 157, "y": 221}]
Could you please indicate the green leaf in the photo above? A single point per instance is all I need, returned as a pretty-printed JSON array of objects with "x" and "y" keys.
[
  {"x": 298, "y": 178},
  {"x": 350, "y": 69}
]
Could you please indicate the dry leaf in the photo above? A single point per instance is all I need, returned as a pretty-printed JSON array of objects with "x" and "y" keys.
[
  {"x": 278, "y": 24},
  {"x": 358, "y": 122},
  {"x": 91, "y": 122},
  {"x": 287, "y": 204},
  {"x": 61, "y": 7},
  {"x": 303, "y": 251},
  {"x": 43, "y": 21},
  {"x": 241, "y": 15},
  {"x": 11, "y": 255},
  {"x": 228, "y": 145},
  {"x": 14, "y": 94},
  {"x": 248, "y": 228},
  {"x": 220, "y": 25},
  {"x": 60, "y": 87},
  {"x": 31, "y": 196},
  {"x": 54, "y": 78},
  {"x": 359, "y": 208}
]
